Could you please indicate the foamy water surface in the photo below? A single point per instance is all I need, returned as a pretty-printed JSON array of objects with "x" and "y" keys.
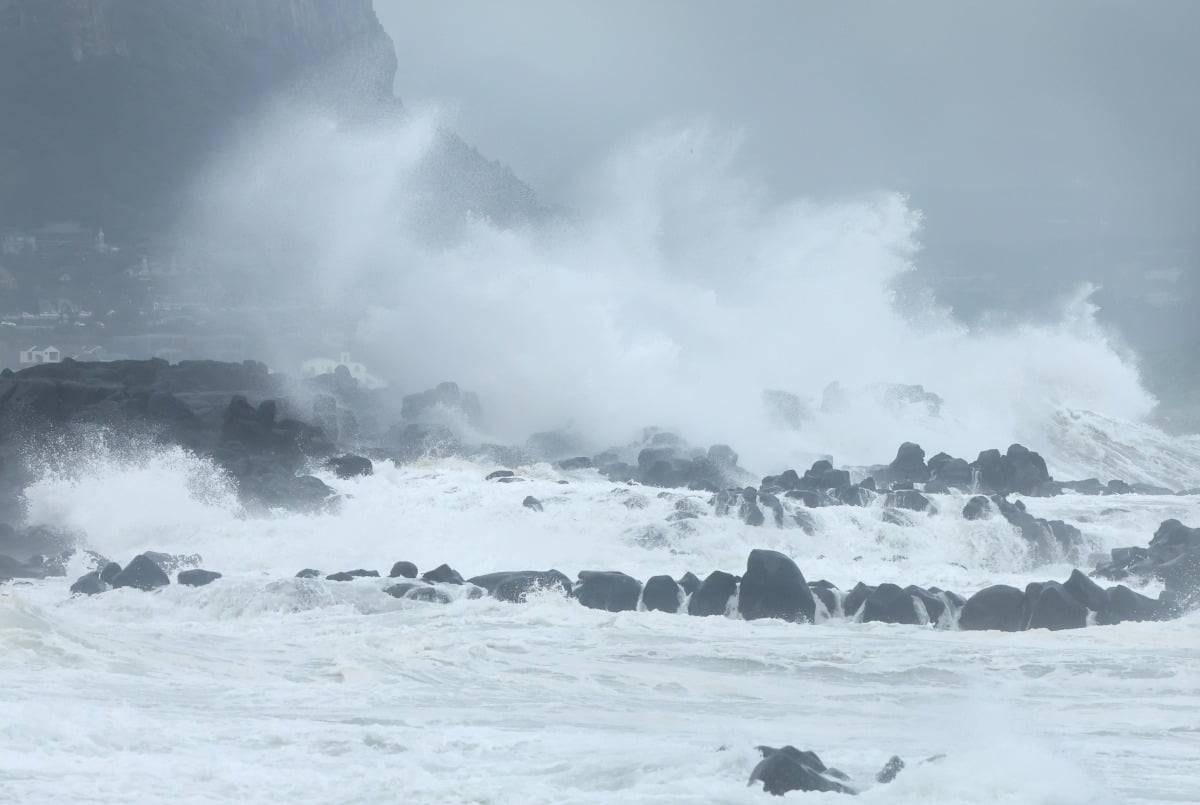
[{"x": 263, "y": 687}]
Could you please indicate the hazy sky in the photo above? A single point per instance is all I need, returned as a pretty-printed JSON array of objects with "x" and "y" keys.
[{"x": 1043, "y": 139}]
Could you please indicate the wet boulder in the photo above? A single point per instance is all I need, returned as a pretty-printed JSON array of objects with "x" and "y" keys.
[
  {"x": 977, "y": 508},
  {"x": 998, "y": 607},
  {"x": 403, "y": 570},
  {"x": 1172, "y": 539},
  {"x": 774, "y": 587},
  {"x": 661, "y": 594},
  {"x": 350, "y": 575},
  {"x": 197, "y": 577},
  {"x": 142, "y": 573},
  {"x": 790, "y": 769},
  {"x": 577, "y": 463},
  {"x": 1048, "y": 605},
  {"x": 89, "y": 584},
  {"x": 689, "y": 582},
  {"x": 309, "y": 573},
  {"x": 934, "y": 604},
  {"x": 350, "y": 466},
  {"x": 827, "y": 594},
  {"x": 498, "y": 475},
  {"x": 532, "y": 503},
  {"x": 951, "y": 472},
  {"x": 854, "y": 599},
  {"x": 444, "y": 574},
  {"x": 888, "y": 603},
  {"x": 1126, "y": 605},
  {"x": 713, "y": 596},
  {"x": 909, "y": 499},
  {"x": 608, "y": 590},
  {"x": 428, "y": 594},
  {"x": 909, "y": 464},
  {"x": 402, "y": 589},
  {"x": 516, "y": 586},
  {"x": 109, "y": 572},
  {"x": 1087, "y": 592}
]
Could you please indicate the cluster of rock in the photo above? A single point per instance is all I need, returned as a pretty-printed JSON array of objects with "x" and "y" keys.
[{"x": 772, "y": 586}]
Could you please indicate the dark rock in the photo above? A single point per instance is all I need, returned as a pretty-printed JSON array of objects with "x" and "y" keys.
[
  {"x": 856, "y": 598},
  {"x": 661, "y": 594},
  {"x": 909, "y": 464},
  {"x": 1088, "y": 486},
  {"x": 443, "y": 573},
  {"x": 89, "y": 584},
  {"x": 909, "y": 499},
  {"x": 142, "y": 573},
  {"x": 854, "y": 495},
  {"x": 713, "y": 596},
  {"x": 431, "y": 595},
  {"x": 827, "y": 594},
  {"x": 977, "y": 508},
  {"x": 1116, "y": 487},
  {"x": 607, "y": 590},
  {"x": 812, "y": 498},
  {"x": 890, "y": 769},
  {"x": 772, "y": 504},
  {"x": 896, "y": 517},
  {"x": 197, "y": 578},
  {"x": 1172, "y": 539},
  {"x": 515, "y": 586},
  {"x": 530, "y": 502},
  {"x": 774, "y": 587},
  {"x": 689, "y": 582},
  {"x": 889, "y": 604},
  {"x": 1087, "y": 592},
  {"x": 403, "y": 569},
  {"x": 350, "y": 575},
  {"x": 579, "y": 463},
  {"x": 349, "y": 466},
  {"x": 308, "y": 573},
  {"x": 436, "y": 404},
  {"x": 1126, "y": 605},
  {"x": 1027, "y": 474},
  {"x": 1048, "y": 605},
  {"x": 109, "y": 572},
  {"x": 492, "y": 476},
  {"x": 402, "y": 589},
  {"x": 805, "y": 522},
  {"x": 952, "y": 472},
  {"x": 789, "y": 769},
  {"x": 788, "y": 481},
  {"x": 934, "y": 605},
  {"x": 996, "y": 607}
]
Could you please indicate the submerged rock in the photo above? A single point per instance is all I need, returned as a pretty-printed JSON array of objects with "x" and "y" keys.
[
  {"x": 790, "y": 769},
  {"x": 197, "y": 578}
]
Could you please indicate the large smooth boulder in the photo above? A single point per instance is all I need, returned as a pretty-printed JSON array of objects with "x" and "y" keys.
[
  {"x": 1126, "y": 605},
  {"x": 977, "y": 508},
  {"x": 608, "y": 590},
  {"x": 909, "y": 499},
  {"x": 888, "y": 603},
  {"x": 713, "y": 596},
  {"x": 443, "y": 573},
  {"x": 1089, "y": 593},
  {"x": 909, "y": 464},
  {"x": 143, "y": 573},
  {"x": 403, "y": 570},
  {"x": 854, "y": 599},
  {"x": 774, "y": 587},
  {"x": 661, "y": 594},
  {"x": 1048, "y": 605},
  {"x": 89, "y": 584},
  {"x": 515, "y": 586},
  {"x": 997, "y": 607}
]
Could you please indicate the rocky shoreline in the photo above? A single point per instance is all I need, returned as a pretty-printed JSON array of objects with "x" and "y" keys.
[{"x": 268, "y": 433}]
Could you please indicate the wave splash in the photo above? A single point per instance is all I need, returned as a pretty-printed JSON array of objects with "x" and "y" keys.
[{"x": 676, "y": 294}]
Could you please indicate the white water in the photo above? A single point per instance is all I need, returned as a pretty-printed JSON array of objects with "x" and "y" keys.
[
  {"x": 677, "y": 292},
  {"x": 262, "y": 687}
]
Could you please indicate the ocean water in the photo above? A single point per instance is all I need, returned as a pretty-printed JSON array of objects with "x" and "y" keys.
[{"x": 262, "y": 687}]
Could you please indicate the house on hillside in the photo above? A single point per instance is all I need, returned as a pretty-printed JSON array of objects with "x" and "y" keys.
[{"x": 35, "y": 355}]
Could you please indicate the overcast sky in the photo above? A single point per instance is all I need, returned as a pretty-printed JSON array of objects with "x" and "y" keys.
[{"x": 1042, "y": 138}]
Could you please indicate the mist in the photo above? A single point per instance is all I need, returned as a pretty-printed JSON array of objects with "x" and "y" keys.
[
  {"x": 1047, "y": 144},
  {"x": 677, "y": 291}
]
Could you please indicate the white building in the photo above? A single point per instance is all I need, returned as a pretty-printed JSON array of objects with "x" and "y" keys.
[{"x": 35, "y": 355}]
